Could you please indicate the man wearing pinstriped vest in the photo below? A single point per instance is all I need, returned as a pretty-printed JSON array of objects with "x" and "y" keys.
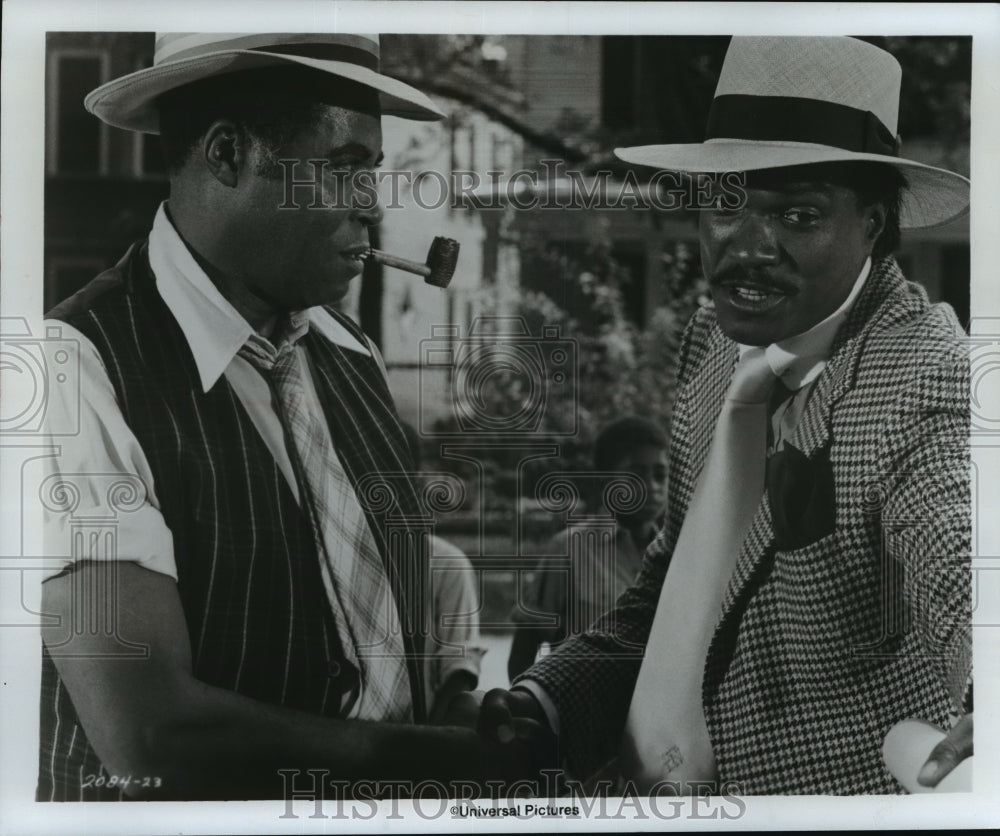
[{"x": 267, "y": 610}]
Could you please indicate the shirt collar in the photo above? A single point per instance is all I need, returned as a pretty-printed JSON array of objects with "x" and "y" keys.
[
  {"x": 799, "y": 360},
  {"x": 215, "y": 331}
]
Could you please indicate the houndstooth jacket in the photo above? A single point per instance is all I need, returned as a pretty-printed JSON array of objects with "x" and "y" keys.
[{"x": 818, "y": 650}]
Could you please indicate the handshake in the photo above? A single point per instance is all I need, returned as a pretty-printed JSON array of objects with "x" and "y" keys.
[{"x": 516, "y": 741}]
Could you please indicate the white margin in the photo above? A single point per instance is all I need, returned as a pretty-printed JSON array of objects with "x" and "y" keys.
[{"x": 21, "y": 245}]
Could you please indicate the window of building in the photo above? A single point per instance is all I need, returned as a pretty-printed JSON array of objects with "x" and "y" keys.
[
  {"x": 78, "y": 141},
  {"x": 658, "y": 88},
  {"x": 147, "y": 154},
  {"x": 618, "y": 96},
  {"x": 502, "y": 153},
  {"x": 67, "y": 274}
]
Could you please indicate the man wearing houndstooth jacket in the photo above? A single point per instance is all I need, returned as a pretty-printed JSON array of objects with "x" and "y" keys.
[{"x": 847, "y": 608}]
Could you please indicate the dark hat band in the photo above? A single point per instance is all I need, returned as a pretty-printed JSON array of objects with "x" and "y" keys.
[{"x": 794, "y": 119}]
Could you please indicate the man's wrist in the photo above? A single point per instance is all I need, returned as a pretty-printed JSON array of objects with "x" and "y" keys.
[{"x": 535, "y": 703}]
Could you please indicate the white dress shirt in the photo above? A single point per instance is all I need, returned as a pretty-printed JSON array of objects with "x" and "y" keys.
[{"x": 454, "y": 642}]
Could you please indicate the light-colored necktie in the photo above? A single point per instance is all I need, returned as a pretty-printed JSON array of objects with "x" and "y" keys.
[
  {"x": 665, "y": 737},
  {"x": 363, "y": 606}
]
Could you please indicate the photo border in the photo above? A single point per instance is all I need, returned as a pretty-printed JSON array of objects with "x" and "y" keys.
[{"x": 21, "y": 244}]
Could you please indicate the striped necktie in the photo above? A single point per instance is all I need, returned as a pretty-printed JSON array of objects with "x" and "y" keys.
[
  {"x": 665, "y": 737},
  {"x": 363, "y": 607}
]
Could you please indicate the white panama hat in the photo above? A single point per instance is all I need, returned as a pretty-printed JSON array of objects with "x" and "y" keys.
[
  {"x": 182, "y": 58},
  {"x": 789, "y": 101}
]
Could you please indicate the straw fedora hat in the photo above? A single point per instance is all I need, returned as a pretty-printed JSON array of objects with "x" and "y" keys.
[
  {"x": 182, "y": 58},
  {"x": 787, "y": 101}
]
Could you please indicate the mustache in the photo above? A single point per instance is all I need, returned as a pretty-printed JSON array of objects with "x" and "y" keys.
[{"x": 738, "y": 275}]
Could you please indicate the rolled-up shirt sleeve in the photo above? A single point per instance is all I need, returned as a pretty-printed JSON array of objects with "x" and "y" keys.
[
  {"x": 456, "y": 635},
  {"x": 99, "y": 476}
]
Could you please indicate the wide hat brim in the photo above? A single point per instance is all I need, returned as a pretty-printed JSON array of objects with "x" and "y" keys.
[
  {"x": 129, "y": 102},
  {"x": 933, "y": 196}
]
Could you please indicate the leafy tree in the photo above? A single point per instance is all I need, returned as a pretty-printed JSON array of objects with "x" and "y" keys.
[
  {"x": 620, "y": 369},
  {"x": 658, "y": 88}
]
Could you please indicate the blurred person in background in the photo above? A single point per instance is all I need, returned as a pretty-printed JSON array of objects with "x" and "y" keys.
[
  {"x": 454, "y": 653},
  {"x": 630, "y": 445}
]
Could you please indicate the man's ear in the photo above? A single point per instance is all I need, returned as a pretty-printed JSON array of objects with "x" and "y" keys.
[
  {"x": 224, "y": 151},
  {"x": 875, "y": 223}
]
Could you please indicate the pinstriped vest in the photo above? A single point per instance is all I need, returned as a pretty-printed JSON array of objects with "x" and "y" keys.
[{"x": 248, "y": 570}]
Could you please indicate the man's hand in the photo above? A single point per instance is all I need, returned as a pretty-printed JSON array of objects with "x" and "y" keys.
[
  {"x": 506, "y": 715},
  {"x": 949, "y": 753},
  {"x": 205, "y": 742},
  {"x": 458, "y": 682},
  {"x": 517, "y": 740},
  {"x": 462, "y": 710}
]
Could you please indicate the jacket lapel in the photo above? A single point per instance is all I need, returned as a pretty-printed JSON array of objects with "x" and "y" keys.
[
  {"x": 707, "y": 395},
  {"x": 812, "y": 433}
]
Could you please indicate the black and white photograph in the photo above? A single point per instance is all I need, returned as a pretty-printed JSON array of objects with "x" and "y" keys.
[{"x": 463, "y": 416}]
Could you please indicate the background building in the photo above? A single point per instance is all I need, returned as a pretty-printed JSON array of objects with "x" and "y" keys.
[{"x": 523, "y": 99}]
